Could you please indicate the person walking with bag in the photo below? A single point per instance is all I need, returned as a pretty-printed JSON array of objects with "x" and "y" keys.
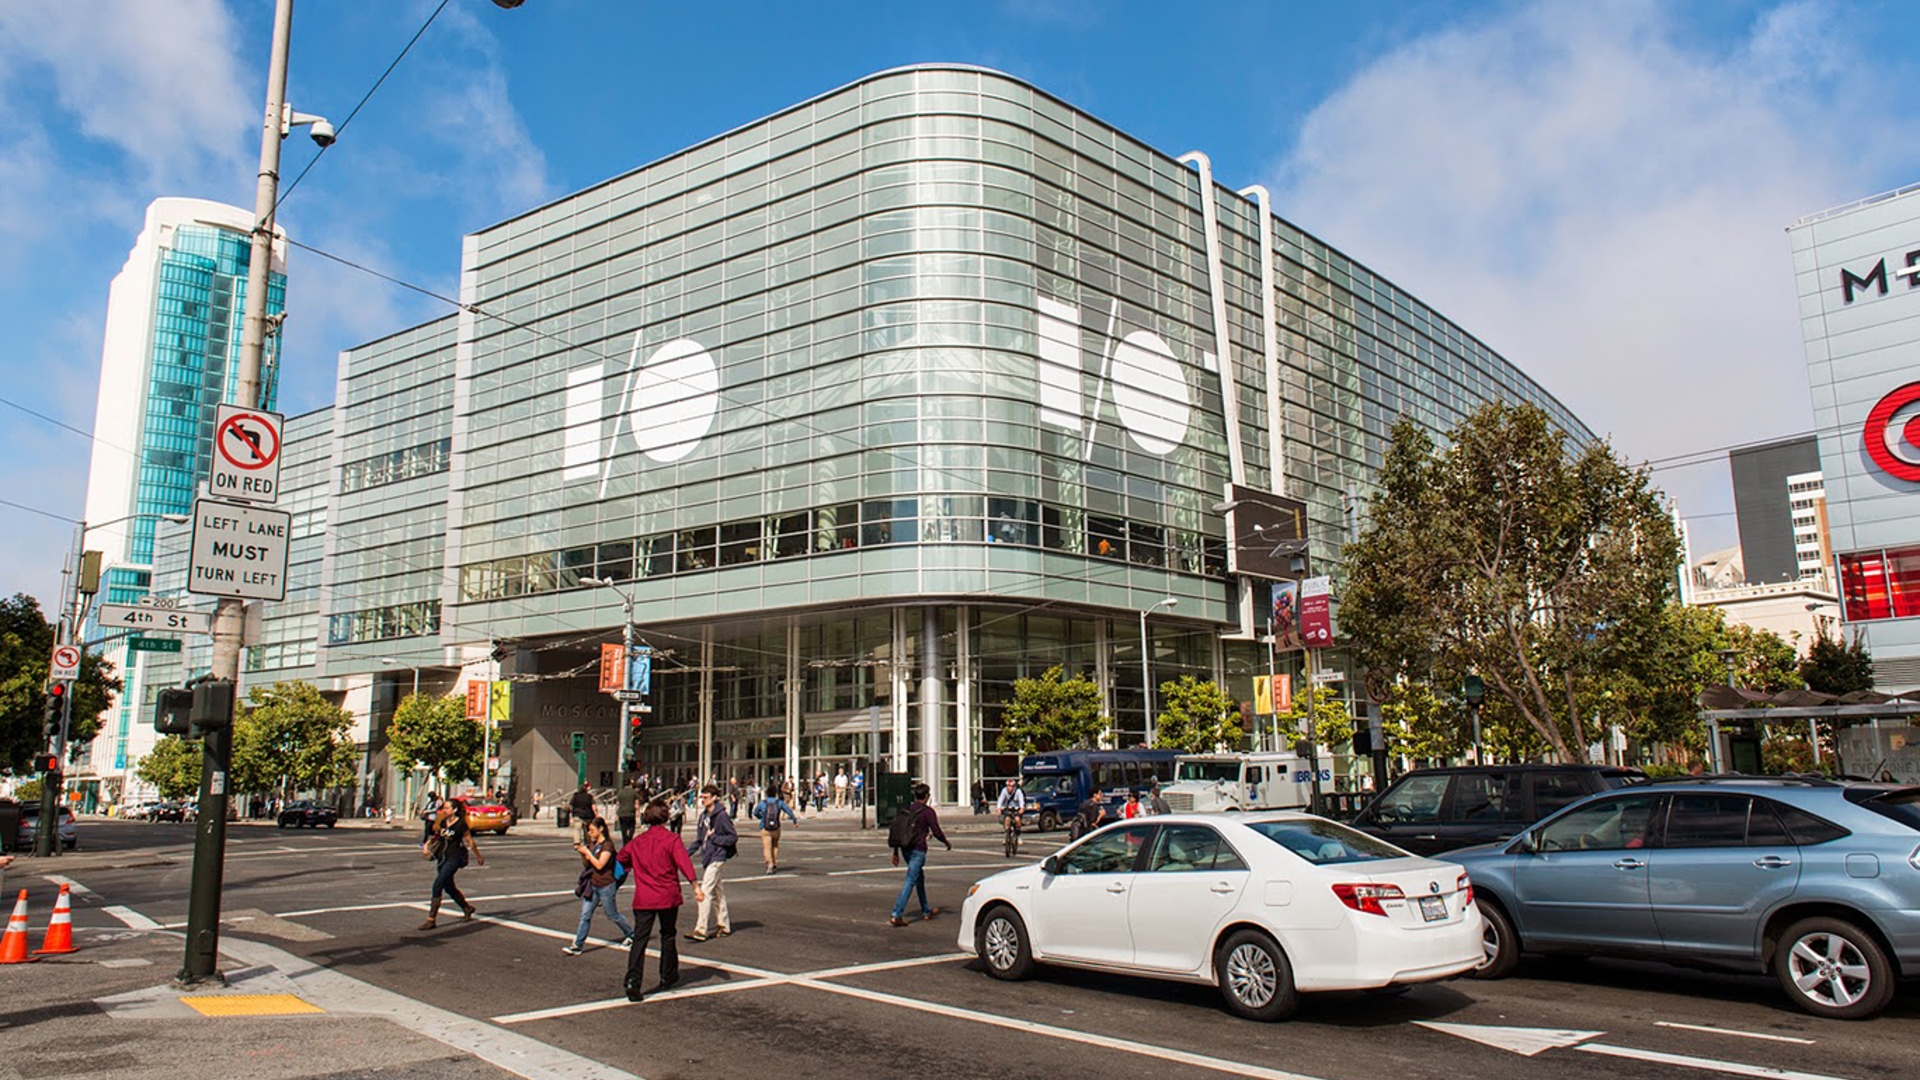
[
  {"x": 656, "y": 861},
  {"x": 449, "y": 843},
  {"x": 769, "y": 812},
  {"x": 597, "y": 886},
  {"x": 716, "y": 840},
  {"x": 923, "y": 822},
  {"x": 625, "y": 805}
]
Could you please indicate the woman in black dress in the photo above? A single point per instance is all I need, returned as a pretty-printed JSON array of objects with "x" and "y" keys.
[{"x": 448, "y": 845}]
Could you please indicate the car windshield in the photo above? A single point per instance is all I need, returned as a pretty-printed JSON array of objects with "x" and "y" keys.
[
  {"x": 1325, "y": 843},
  {"x": 1209, "y": 770}
]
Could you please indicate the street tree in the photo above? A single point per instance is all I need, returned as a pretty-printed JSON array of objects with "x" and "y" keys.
[
  {"x": 1198, "y": 717},
  {"x": 26, "y": 646},
  {"x": 1686, "y": 651},
  {"x": 434, "y": 733},
  {"x": 1332, "y": 723},
  {"x": 1509, "y": 554},
  {"x": 1417, "y": 723},
  {"x": 173, "y": 766},
  {"x": 1051, "y": 712},
  {"x": 1833, "y": 666},
  {"x": 289, "y": 739}
]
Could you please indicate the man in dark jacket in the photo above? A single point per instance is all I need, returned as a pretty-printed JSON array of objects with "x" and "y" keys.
[
  {"x": 925, "y": 823},
  {"x": 625, "y": 807},
  {"x": 581, "y": 805},
  {"x": 714, "y": 842}
]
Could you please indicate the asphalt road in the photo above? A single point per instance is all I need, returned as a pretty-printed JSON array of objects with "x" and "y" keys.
[{"x": 813, "y": 981}]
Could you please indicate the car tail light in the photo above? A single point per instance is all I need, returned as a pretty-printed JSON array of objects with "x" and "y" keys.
[
  {"x": 1466, "y": 892},
  {"x": 1368, "y": 898}
]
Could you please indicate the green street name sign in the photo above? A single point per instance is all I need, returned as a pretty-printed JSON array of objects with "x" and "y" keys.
[{"x": 153, "y": 644}]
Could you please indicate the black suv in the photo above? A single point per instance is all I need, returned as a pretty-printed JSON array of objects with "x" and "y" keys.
[
  {"x": 1428, "y": 811},
  {"x": 307, "y": 815}
]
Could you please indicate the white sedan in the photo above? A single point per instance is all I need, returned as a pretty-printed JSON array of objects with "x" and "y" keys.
[{"x": 1266, "y": 906}]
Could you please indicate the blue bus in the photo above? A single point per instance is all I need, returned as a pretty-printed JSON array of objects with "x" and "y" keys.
[{"x": 1057, "y": 783}]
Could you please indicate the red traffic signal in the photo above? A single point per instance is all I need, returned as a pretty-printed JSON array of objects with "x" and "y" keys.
[{"x": 46, "y": 763}]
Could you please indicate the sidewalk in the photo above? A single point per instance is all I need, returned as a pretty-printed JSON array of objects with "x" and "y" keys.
[{"x": 110, "y": 1010}]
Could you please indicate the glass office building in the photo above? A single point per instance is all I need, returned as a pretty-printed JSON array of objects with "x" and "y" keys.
[
  {"x": 865, "y": 410},
  {"x": 171, "y": 352}
]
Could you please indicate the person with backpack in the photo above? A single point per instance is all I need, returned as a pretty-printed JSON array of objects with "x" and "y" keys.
[
  {"x": 769, "y": 812},
  {"x": 656, "y": 862},
  {"x": 597, "y": 886},
  {"x": 908, "y": 832},
  {"x": 715, "y": 841}
]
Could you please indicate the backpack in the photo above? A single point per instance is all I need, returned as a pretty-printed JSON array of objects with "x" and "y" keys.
[
  {"x": 770, "y": 814},
  {"x": 900, "y": 829}
]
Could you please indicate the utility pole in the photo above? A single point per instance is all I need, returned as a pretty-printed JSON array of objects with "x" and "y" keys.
[{"x": 229, "y": 618}]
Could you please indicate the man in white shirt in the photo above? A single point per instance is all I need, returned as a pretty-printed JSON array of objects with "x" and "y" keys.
[{"x": 840, "y": 788}]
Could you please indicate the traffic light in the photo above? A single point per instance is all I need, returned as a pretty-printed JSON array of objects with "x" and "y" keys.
[
  {"x": 172, "y": 712},
  {"x": 46, "y": 763},
  {"x": 212, "y": 706},
  {"x": 56, "y": 703},
  {"x": 632, "y": 752}
]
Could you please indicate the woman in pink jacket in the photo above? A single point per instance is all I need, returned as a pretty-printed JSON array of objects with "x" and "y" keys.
[{"x": 657, "y": 860}]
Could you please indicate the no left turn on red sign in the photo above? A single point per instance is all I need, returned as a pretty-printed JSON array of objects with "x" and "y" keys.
[{"x": 246, "y": 455}]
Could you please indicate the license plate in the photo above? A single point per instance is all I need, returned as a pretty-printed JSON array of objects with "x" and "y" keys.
[{"x": 1433, "y": 908}]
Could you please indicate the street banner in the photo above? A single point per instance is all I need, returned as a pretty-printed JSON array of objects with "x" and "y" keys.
[
  {"x": 640, "y": 670},
  {"x": 612, "y": 667},
  {"x": 1282, "y": 694},
  {"x": 476, "y": 699},
  {"x": 502, "y": 701},
  {"x": 1262, "y": 695},
  {"x": 1316, "y": 612},
  {"x": 1284, "y": 618}
]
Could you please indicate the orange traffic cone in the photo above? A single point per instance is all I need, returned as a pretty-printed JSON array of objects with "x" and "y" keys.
[
  {"x": 13, "y": 947},
  {"x": 59, "y": 937}
]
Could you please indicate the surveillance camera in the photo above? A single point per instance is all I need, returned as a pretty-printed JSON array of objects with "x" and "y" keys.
[{"x": 322, "y": 133}]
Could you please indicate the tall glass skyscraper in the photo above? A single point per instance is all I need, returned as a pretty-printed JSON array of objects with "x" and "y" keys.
[{"x": 172, "y": 346}]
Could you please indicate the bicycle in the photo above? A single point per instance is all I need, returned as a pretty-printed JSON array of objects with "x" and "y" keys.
[{"x": 1010, "y": 826}]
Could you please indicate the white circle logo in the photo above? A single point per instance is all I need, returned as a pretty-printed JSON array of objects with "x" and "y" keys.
[
  {"x": 676, "y": 397},
  {"x": 1150, "y": 392}
]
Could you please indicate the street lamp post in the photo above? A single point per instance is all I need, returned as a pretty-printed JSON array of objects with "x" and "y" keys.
[
  {"x": 626, "y": 642},
  {"x": 416, "y": 672},
  {"x": 1146, "y": 663}
]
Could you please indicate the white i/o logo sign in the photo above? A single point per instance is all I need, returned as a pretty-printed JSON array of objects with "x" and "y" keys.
[{"x": 668, "y": 402}]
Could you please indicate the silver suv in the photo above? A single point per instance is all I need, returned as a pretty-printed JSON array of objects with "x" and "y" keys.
[{"x": 1814, "y": 880}]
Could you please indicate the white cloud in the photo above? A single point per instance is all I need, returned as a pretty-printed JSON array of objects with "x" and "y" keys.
[{"x": 1603, "y": 202}]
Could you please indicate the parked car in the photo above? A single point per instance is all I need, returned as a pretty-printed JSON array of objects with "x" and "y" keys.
[
  {"x": 487, "y": 814},
  {"x": 171, "y": 810},
  {"x": 1429, "y": 811},
  {"x": 306, "y": 814},
  {"x": 1815, "y": 880},
  {"x": 1265, "y": 906},
  {"x": 29, "y": 833}
]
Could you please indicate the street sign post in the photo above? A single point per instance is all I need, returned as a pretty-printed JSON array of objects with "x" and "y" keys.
[
  {"x": 1322, "y": 678},
  {"x": 144, "y": 617},
  {"x": 238, "y": 550},
  {"x": 153, "y": 644},
  {"x": 246, "y": 454}
]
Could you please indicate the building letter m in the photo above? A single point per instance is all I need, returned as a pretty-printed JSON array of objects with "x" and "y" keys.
[{"x": 1876, "y": 276}]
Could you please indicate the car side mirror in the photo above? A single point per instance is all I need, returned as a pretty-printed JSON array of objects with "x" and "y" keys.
[
  {"x": 1523, "y": 844},
  {"x": 1050, "y": 865}
]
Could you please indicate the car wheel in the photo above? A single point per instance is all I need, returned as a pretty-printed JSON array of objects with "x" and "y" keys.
[
  {"x": 280, "y": 825},
  {"x": 1254, "y": 977},
  {"x": 331, "y": 824},
  {"x": 1049, "y": 821},
  {"x": 1001, "y": 941},
  {"x": 1832, "y": 968},
  {"x": 1499, "y": 945}
]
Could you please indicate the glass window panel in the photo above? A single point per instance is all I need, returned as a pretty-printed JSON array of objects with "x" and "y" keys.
[{"x": 694, "y": 549}]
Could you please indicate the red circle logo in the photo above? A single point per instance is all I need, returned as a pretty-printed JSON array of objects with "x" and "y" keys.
[{"x": 1893, "y": 433}]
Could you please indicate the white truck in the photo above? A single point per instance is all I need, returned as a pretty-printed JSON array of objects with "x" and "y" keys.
[{"x": 1206, "y": 783}]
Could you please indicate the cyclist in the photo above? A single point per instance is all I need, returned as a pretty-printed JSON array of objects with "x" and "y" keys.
[{"x": 1012, "y": 803}]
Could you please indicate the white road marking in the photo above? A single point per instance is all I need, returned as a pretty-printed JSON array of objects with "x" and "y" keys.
[
  {"x": 621, "y": 1002},
  {"x": 1709, "y": 1064},
  {"x": 931, "y": 868},
  {"x": 567, "y": 935},
  {"x": 1731, "y": 1031},
  {"x": 416, "y": 903},
  {"x": 73, "y": 886},
  {"x": 886, "y": 965},
  {"x": 133, "y": 919}
]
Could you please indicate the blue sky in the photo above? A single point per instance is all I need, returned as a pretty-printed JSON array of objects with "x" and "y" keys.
[{"x": 1599, "y": 191}]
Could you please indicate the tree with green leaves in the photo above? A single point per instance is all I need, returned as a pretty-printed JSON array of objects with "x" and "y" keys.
[
  {"x": 1417, "y": 723},
  {"x": 1052, "y": 712},
  {"x": 173, "y": 766},
  {"x": 1510, "y": 554},
  {"x": 26, "y": 646},
  {"x": 290, "y": 739},
  {"x": 1332, "y": 723},
  {"x": 434, "y": 733},
  {"x": 1836, "y": 667},
  {"x": 1198, "y": 717}
]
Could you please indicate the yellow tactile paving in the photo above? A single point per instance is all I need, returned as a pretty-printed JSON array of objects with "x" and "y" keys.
[{"x": 250, "y": 1005}]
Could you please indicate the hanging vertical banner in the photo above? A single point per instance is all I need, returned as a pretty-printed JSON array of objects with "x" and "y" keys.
[
  {"x": 1316, "y": 612},
  {"x": 476, "y": 699},
  {"x": 1263, "y": 695},
  {"x": 502, "y": 701},
  {"x": 1282, "y": 694},
  {"x": 612, "y": 667},
  {"x": 640, "y": 670},
  {"x": 1283, "y": 619}
]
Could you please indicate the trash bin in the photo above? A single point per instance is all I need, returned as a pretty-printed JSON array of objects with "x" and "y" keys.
[
  {"x": 561, "y": 816},
  {"x": 9, "y": 824}
]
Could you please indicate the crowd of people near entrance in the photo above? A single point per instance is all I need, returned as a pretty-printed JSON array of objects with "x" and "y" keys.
[{"x": 646, "y": 842}]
